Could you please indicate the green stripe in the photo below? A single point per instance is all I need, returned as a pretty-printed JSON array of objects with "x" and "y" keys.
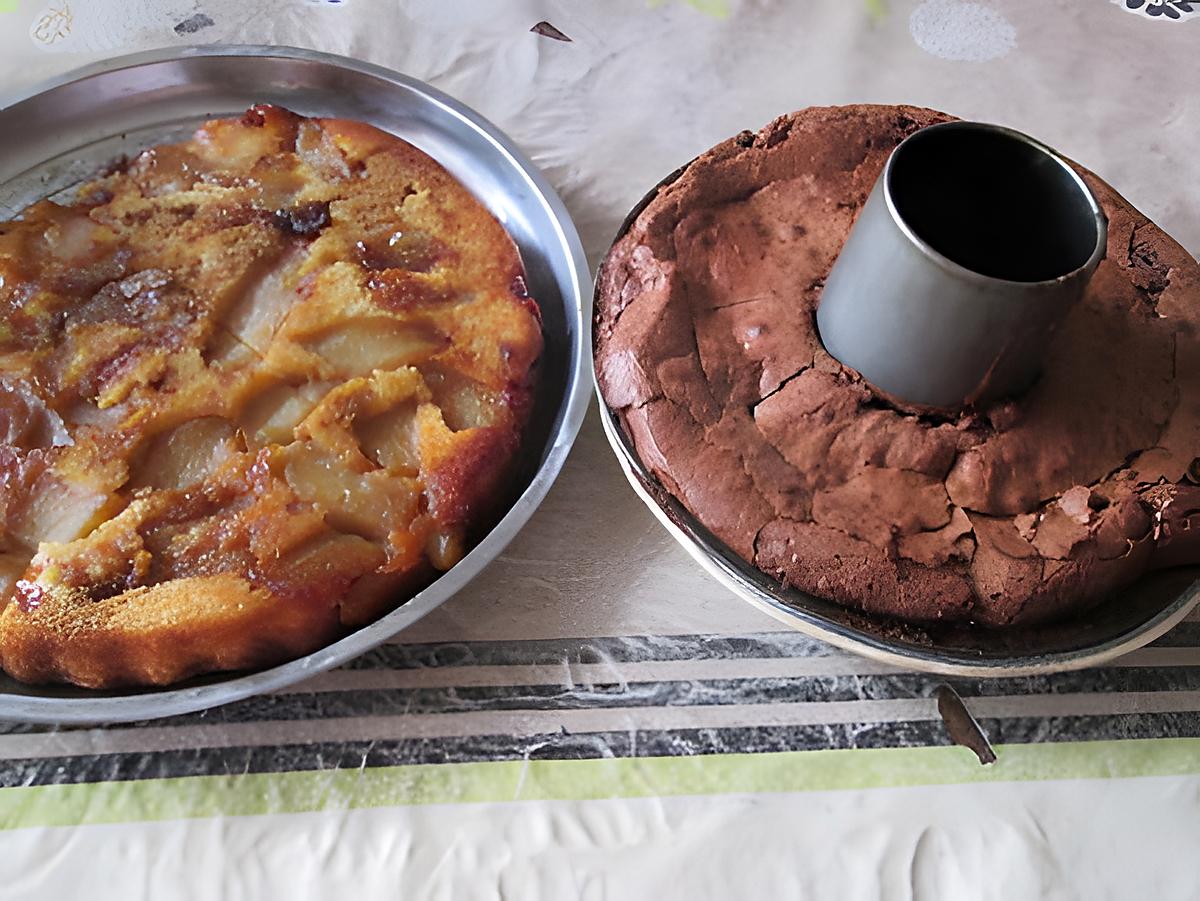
[
  {"x": 263, "y": 793},
  {"x": 8, "y": 6},
  {"x": 717, "y": 8}
]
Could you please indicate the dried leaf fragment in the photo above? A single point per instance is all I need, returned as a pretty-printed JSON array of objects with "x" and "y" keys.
[
  {"x": 961, "y": 726},
  {"x": 546, "y": 30}
]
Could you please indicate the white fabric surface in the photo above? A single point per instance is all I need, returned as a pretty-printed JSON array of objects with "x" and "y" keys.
[
  {"x": 1082, "y": 840},
  {"x": 638, "y": 91}
]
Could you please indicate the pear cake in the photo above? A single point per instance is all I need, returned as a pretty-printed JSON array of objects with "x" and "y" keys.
[{"x": 256, "y": 389}]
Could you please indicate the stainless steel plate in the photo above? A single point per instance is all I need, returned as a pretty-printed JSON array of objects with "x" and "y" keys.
[
  {"x": 1123, "y": 623},
  {"x": 67, "y": 129}
]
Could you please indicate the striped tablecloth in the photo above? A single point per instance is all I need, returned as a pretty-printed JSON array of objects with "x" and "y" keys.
[
  {"x": 612, "y": 697},
  {"x": 594, "y": 717}
]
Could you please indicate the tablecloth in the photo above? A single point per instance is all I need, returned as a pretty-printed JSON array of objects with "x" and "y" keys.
[{"x": 594, "y": 717}]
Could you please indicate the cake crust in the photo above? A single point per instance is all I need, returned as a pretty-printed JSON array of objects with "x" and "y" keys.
[
  {"x": 255, "y": 389},
  {"x": 1030, "y": 509}
]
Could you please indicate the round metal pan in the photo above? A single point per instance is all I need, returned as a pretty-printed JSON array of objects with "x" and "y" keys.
[
  {"x": 63, "y": 131},
  {"x": 1120, "y": 624}
]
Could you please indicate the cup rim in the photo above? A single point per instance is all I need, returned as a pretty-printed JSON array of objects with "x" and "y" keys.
[{"x": 964, "y": 272}]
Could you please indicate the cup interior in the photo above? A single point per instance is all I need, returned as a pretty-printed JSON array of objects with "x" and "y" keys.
[{"x": 994, "y": 202}]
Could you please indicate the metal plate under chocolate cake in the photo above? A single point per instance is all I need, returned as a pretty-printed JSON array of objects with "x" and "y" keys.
[
  {"x": 65, "y": 131},
  {"x": 1129, "y": 620}
]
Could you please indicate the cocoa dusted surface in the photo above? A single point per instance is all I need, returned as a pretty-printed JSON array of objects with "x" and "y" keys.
[{"x": 706, "y": 348}]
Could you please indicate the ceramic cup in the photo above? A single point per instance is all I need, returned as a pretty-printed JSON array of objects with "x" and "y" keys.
[{"x": 974, "y": 243}]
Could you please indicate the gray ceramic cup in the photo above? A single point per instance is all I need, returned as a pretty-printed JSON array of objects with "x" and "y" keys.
[{"x": 974, "y": 243}]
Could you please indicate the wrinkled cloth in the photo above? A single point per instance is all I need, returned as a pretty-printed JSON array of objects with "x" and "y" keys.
[{"x": 659, "y": 737}]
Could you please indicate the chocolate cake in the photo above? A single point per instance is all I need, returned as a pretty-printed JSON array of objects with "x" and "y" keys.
[{"x": 1032, "y": 508}]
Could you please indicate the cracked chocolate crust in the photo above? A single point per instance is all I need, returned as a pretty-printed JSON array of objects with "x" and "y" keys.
[{"x": 1030, "y": 509}]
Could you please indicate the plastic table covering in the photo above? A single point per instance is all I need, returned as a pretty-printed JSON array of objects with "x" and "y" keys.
[{"x": 594, "y": 717}]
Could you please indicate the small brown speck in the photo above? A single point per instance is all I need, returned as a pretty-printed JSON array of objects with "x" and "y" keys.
[
  {"x": 304, "y": 220},
  {"x": 546, "y": 30}
]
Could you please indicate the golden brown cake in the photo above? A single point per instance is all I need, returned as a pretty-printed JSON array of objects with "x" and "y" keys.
[{"x": 254, "y": 388}]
